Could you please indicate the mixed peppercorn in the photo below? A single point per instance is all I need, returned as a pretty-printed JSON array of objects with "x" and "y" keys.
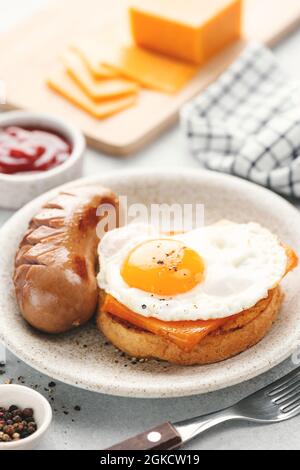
[{"x": 16, "y": 424}]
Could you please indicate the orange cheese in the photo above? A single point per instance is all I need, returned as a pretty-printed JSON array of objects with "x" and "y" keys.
[
  {"x": 88, "y": 50},
  {"x": 63, "y": 84},
  {"x": 185, "y": 334},
  {"x": 150, "y": 70},
  {"x": 292, "y": 257},
  {"x": 97, "y": 90},
  {"x": 191, "y": 30}
]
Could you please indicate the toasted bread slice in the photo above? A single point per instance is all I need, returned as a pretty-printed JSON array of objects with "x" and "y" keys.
[{"x": 240, "y": 333}]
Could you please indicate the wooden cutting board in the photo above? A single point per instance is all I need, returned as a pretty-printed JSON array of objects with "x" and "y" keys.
[{"x": 29, "y": 52}]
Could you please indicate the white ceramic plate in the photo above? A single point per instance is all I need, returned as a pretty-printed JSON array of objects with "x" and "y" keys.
[{"x": 83, "y": 359}]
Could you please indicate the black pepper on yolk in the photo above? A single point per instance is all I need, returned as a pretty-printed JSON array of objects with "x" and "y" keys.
[{"x": 163, "y": 267}]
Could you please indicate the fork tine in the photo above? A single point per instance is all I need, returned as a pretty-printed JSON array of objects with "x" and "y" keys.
[
  {"x": 295, "y": 411},
  {"x": 284, "y": 387},
  {"x": 288, "y": 398},
  {"x": 291, "y": 406},
  {"x": 289, "y": 391},
  {"x": 283, "y": 383},
  {"x": 277, "y": 402}
]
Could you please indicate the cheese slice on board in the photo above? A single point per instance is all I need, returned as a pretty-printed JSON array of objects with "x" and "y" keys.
[
  {"x": 186, "y": 334},
  {"x": 63, "y": 84},
  {"x": 191, "y": 30},
  {"x": 88, "y": 50},
  {"x": 150, "y": 70},
  {"x": 97, "y": 90}
]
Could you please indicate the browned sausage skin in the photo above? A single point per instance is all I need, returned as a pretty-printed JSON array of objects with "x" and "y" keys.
[{"x": 55, "y": 267}]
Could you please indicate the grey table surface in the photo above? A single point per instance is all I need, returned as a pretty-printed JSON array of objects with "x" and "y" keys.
[{"x": 104, "y": 420}]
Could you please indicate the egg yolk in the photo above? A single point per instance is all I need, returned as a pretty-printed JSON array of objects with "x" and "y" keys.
[{"x": 163, "y": 268}]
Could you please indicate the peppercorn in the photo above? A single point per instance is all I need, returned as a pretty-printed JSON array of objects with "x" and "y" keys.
[
  {"x": 17, "y": 419},
  {"x": 27, "y": 413},
  {"x": 24, "y": 434},
  {"x": 8, "y": 430},
  {"x": 12, "y": 408},
  {"x": 27, "y": 420},
  {"x": 16, "y": 436},
  {"x": 32, "y": 424},
  {"x": 31, "y": 430}
]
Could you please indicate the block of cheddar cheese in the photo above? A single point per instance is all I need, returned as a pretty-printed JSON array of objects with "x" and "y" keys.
[{"x": 190, "y": 30}]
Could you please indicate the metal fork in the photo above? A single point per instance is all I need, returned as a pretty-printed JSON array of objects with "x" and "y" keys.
[{"x": 278, "y": 402}]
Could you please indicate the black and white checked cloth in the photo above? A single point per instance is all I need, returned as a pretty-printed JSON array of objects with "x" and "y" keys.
[{"x": 248, "y": 123}]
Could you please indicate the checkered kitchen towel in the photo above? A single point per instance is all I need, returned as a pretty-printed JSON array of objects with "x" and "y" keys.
[{"x": 248, "y": 123}]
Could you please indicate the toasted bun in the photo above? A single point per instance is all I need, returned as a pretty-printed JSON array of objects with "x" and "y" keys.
[{"x": 236, "y": 336}]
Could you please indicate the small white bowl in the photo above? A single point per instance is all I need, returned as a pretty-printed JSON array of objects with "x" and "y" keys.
[
  {"x": 25, "y": 397},
  {"x": 18, "y": 189}
]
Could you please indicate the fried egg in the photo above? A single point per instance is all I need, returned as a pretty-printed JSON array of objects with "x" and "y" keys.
[{"x": 208, "y": 273}]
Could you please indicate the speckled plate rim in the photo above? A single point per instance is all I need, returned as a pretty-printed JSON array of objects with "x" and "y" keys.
[{"x": 222, "y": 375}]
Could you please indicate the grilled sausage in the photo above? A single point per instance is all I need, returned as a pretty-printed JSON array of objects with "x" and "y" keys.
[{"x": 55, "y": 266}]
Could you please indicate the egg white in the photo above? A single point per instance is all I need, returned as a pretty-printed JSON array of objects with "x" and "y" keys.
[{"x": 242, "y": 263}]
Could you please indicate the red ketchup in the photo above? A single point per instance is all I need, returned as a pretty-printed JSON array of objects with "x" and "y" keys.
[{"x": 24, "y": 150}]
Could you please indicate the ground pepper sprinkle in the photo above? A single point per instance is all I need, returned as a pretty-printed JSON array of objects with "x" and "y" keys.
[{"x": 16, "y": 424}]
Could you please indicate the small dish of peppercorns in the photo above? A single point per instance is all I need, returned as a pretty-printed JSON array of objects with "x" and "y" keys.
[
  {"x": 25, "y": 416},
  {"x": 16, "y": 424}
]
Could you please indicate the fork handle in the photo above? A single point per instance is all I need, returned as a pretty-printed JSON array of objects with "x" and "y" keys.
[
  {"x": 171, "y": 436},
  {"x": 191, "y": 428},
  {"x": 164, "y": 437}
]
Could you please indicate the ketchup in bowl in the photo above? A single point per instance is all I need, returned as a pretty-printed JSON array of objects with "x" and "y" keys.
[{"x": 28, "y": 150}]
